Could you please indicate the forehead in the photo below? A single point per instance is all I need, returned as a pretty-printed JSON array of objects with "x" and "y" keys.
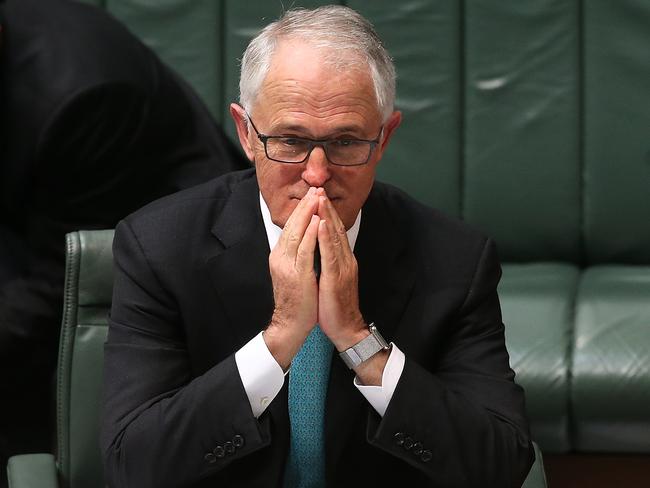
[{"x": 305, "y": 83}]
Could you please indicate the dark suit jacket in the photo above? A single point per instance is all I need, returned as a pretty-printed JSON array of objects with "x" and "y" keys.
[
  {"x": 192, "y": 286},
  {"x": 93, "y": 126}
]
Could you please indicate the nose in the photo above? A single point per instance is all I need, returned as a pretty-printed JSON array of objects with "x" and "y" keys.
[{"x": 317, "y": 168}]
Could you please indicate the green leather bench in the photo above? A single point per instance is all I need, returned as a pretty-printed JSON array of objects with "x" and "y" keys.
[{"x": 530, "y": 120}]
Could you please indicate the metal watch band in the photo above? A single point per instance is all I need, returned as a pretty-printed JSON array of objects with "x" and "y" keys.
[{"x": 364, "y": 349}]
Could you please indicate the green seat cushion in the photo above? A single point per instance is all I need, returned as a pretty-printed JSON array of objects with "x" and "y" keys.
[
  {"x": 537, "y": 302},
  {"x": 536, "y": 476},
  {"x": 32, "y": 471},
  {"x": 611, "y": 360}
]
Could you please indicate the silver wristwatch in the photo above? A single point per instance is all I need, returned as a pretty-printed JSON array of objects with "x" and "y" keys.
[{"x": 364, "y": 349}]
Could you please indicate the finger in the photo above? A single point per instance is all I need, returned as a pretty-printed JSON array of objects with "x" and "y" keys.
[
  {"x": 329, "y": 252},
  {"x": 306, "y": 202},
  {"x": 336, "y": 228},
  {"x": 297, "y": 223},
  {"x": 306, "y": 249},
  {"x": 329, "y": 213}
]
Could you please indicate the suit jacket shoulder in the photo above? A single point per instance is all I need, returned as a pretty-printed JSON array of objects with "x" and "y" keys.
[
  {"x": 417, "y": 219},
  {"x": 429, "y": 243},
  {"x": 179, "y": 216}
]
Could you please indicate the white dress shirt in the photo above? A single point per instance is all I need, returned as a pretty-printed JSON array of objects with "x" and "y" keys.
[{"x": 263, "y": 377}]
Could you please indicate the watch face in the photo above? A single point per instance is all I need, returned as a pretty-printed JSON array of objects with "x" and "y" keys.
[{"x": 375, "y": 333}]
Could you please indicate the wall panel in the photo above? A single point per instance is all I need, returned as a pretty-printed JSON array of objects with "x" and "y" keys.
[
  {"x": 186, "y": 34},
  {"x": 423, "y": 38},
  {"x": 522, "y": 147},
  {"x": 617, "y": 131}
]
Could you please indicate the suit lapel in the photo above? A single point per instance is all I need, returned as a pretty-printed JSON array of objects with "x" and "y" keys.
[
  {"x": 386, "y": 276},
  {"x": 386, "y": 280},
  {"x": 240, "y": 271}
]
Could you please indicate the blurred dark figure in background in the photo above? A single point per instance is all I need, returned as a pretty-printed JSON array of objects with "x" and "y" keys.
[{"x": 93, "y": 126}]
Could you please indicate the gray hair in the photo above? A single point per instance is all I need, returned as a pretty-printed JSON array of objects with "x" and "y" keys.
[{"x": 335, "y": 29}]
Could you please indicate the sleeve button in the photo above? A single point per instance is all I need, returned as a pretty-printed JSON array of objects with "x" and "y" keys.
[
  {"x": 426, "y": 456},
  {"x": 209, "y": 457},
  {"x": 399, "y": 438},
  {"x": 408, "y": 443},
  {"x": 238, "y": 441},
  {"x": 219, "y": 452},
  {"x": 417, "y": 448},
  {"x": 229, "y": 447}
]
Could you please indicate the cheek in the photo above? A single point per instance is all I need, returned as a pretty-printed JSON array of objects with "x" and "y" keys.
[
  {"x": 276, "y": 184},
  {"x": 357, "y": 187},
  {"x": 275, "y": 178},
  {"x": 358, "y": 184}
]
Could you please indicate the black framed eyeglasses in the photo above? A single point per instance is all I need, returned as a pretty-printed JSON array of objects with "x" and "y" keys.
[{"x": 295, "y": 150}]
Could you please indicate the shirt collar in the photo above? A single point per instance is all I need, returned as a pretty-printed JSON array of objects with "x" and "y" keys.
[{"x": 273, "y": 231}]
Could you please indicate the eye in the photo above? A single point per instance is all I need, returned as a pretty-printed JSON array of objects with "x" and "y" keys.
[
  {"x": 291, "y": 141},
  {"x": 344, "y": 143}
]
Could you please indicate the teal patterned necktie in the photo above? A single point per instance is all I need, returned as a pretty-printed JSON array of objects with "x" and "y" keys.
[{"x": 307, "y": 389}]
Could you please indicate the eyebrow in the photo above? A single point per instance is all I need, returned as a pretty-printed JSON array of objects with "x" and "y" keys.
[{"x": 304, "y": 130}]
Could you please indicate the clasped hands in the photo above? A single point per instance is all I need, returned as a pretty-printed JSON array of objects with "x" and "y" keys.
[{"x": 302, "y": 300}]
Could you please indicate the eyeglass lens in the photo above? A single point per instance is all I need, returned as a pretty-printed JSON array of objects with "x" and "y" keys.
[{"x": 295, "y": 150}]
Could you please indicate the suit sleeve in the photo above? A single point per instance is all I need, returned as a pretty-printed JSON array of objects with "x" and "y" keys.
[
  {"x": 462, "y": 422},
  {"x": 160, "y": 426}
]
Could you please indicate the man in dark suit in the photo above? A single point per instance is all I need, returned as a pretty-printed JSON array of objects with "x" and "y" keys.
[
  {"x": 248, "y": 342},
  {"x": 93, "y": 126}
]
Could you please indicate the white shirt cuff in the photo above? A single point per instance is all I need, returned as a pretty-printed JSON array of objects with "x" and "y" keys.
[
  {"x": 380, "y": 396},
  {"x": 260, "y": 374}
]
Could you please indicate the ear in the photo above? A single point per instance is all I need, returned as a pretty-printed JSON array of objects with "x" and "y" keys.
[
  {"x": 393, "y": 122},
  {"x": 241, "y": 122}
]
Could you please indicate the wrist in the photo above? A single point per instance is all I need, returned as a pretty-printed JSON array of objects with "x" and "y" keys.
[
  {"x": 351, "y": 335},
  {"x": 370, "y": 372},
  {"x": 283, "y": 343},
  {"x": 366, "y": 349}
]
